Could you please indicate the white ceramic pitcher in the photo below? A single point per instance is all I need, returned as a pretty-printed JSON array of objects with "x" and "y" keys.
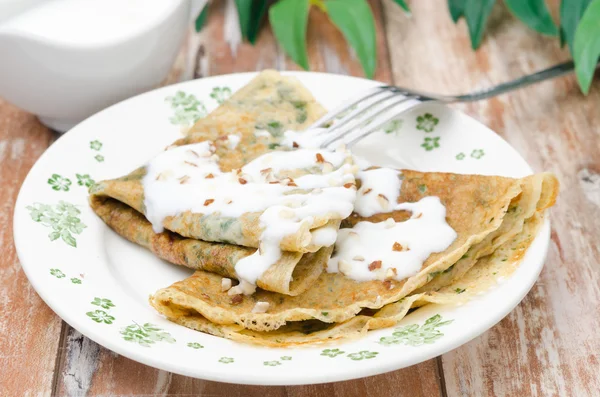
[{"x": 64, "y": 60}]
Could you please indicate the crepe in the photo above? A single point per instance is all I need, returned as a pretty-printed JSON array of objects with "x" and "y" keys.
[
  {"x": 258, "y": 113},
  {"x": 476, "y": 208}
]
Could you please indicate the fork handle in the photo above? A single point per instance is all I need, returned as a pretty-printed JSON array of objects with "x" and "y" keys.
[{"x": 546, "y": 74}]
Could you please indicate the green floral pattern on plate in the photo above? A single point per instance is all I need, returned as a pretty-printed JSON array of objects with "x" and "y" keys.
[
  {"x": 427, "y": 122},
  {"x": 226, "y": 360},
  {"x": 195, "y": 345},
  {"x": 85, "y": 180},
  {"x": 362, "y": 355},
  {"x": 286, "y": 358},
  {"x": 393, "y": 126},
  {"x": 273, "y": 363},
  {"x": 57, "y": 273},
  {"x": 477, "y": 153},
  {"x": 63, "y": 218},
  {"x": 100, "y": 316},
  {"x": 187, "y": 108},
  {"x": 415, "y": 335},
  {"x": 99, "y": 158},
  {"x": 460, "y": 156},
  {"x": 220, "y": 94},
  {"x": 76, "y": 280},
  {"x": 59, "y": 183},
  {"x": 95, "y": 145},
  {"x": 431, "y": 143},
  {"x": 145, "y": 335},
  {"x": 103, "y": 303},
  {"x": 332, "y": 352}
]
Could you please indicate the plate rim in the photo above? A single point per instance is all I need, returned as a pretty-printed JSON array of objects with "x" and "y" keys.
[{"x": 543, "y": 238}]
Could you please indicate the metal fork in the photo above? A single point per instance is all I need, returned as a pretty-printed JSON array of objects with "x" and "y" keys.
[{"x": 387, "y": 103}]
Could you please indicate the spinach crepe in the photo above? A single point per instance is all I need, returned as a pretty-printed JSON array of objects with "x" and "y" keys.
[
  {"x": 256, "y": 115},
  {"x": 476, "y": 207}
]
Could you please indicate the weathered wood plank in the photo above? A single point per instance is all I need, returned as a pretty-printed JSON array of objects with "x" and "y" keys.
[
  {"x": 29, "y": 330},
  {"x": 87, "y": 368},
  {"x": 549, "y": 345}
]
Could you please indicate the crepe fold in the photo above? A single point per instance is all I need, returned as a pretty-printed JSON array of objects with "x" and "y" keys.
[
  {"x": 271, "y": 103},
  {"x": 334, "y": 306}
]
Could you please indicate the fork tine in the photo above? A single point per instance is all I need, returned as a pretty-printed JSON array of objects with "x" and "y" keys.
[
  {"x": 347, "y": 105},
  {"x": 355, "y": 114},
  {"x": 382, "y": 124},
  {"x": 368, "y": 120}
]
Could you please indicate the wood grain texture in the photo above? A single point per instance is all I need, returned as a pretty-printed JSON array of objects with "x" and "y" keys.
[
  {"x": 88, "y": 369},
  {"x": 549, "y": 345},
  {"x": 29, "y": 330}
]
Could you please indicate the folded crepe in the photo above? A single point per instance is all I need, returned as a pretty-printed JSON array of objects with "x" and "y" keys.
[
  {"x": 334, "y": 307},
  {"x": 240, "y": 130}
]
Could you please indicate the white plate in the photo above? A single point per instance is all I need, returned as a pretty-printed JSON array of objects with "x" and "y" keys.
[{"x": 101, "y": 286}]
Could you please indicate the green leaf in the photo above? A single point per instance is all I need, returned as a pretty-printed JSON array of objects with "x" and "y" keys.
[
  {"x": 476, "y": 13},
  {"x": 587, "y": 46},
  {"x": 251, "y": 13},
  {"x": 403, "y": 5},
  {"x": 534, "y": 14},
  {"x": 457, "y": 9},
  {"x": 289, "y": 19},
  {"x": 571, "y": 12},
  {"x": 201, "y": 20},
  {"x": 355, "y": 19}
]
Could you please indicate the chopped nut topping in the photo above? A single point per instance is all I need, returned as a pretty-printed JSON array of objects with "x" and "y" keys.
[
  {"x": 238, "y": 171},
  {"x": 367, "y": 191},
  {"x": 388, "y": 284},
  {"x": 353, "y": 234},
  {"x": 418, "y": 216},
  {"x": 378, "y": 300},
  {"x": 160, "y": 177},
  {"x": 327, "y": 167},
  {"x": 348, "y": 185},
  {"x": 344, "y": 266},
  {"x": 208, "y": 202},
  {"x": 225, "y": 284},
  {"x": 266, "y": 171},
  {"x": 237, "y": 299},
  {"x": 184, "y": 179},
  {"x": 383, "y": 201},
  {"x": 193, "y": 153},
  {"x": 374, "y": 265},
  {"x": 320, "y": 158},
  {"x": 260, "y": 307},
  {"x": 190, "y": 163},
  {"x": 273, "y": 182},
  {"x": 397, "y": 247},
  {"x": 229, "y": 201},
  {"x": 391, "y": 273},
  {"x": 242, "y": 181},
  {"x": 359, "y": 258},
  {"x": 390, "y": 223},
  {"x": 209, "y": 176},
  {"x": 292, "y": 183},
  {"x": 294, "y": 144}
]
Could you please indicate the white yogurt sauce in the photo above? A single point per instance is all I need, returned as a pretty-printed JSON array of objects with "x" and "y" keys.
[
  {"x": 188, "y": 178},
  {"x": 233, "y": 140},
  {"x": 311, "y": 138},
  {"x": 378, "y": 192},
  {"x": 393, "y": 250}
]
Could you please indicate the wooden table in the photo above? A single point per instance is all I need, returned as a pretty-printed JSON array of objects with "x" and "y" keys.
[{"x": 549, "y": 345}]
